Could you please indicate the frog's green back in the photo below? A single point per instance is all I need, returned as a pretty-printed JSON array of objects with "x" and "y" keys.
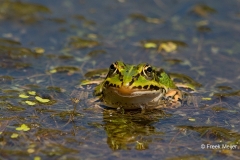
[{"x": 166, "y": 80}]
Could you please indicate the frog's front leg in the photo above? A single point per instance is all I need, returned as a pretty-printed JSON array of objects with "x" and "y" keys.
[{"x": 174, "y": 98}]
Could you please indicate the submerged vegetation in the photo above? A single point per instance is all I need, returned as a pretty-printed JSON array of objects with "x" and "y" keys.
[{"x": 21, "y": 11}]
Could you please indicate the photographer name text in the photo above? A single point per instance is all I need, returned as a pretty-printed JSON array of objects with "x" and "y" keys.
[{"x": 220, "y": 146}]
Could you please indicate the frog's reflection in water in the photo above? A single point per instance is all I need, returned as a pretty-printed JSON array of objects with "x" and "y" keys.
[{"x": 131, "y": 129}]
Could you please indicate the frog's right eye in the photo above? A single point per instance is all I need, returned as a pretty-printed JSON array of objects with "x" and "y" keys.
[{"x": 112, "y": 66}]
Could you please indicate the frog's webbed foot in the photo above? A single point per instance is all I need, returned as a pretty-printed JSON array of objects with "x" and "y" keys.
[{"x": 173, "y": 98}]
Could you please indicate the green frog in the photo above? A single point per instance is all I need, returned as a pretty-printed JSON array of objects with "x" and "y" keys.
[{"x": 138, "y": 86}]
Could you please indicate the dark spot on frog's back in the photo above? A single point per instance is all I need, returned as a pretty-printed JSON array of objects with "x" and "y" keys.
[
  {"x": 120, "y": 77},
  {"x": 112, "y": 85},
  {"x": 138, "y": 87},
  {"x": 134, "y": 78},
  {"x": 130, "y": 83},
  {"x": 152, "y": 87},
  {"x": 117, "y": 71},
  {"x": 145, "y": 87}
]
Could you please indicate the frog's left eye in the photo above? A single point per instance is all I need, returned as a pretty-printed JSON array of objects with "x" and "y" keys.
[{"x": 148, "y": 70}]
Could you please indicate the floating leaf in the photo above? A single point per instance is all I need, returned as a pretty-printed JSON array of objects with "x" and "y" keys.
[
  {"x": 218, "y": 108},
  {"x": 37, "y": 158},
  {"x": 192, "y": 119},
  {"x": 32, "y": 93},
  {"x": 42, "y": 100},
  {"x": 145, "y": 18},
  {"x": 78, "y": 43},
  {"x": 167, "y": 47},
  {"x": 56, "y": 89},
  {"x": 87, "y": 82},
  {"x": 188, "y": 80},
  {"x": 8, "y": 41},
  {"x": 26, "y": 12},
  {"x": 23, "y": 127},
  {"x": 4, "y": 97},
  {"x": 204, "y": 29},
  {"x": 85, "y": 20},
  {"x": 206, "y": 98},
  {"x": 16, "y": 52},
  {"x": 39, "y": 50},
  {"x": 70, "y": 69},
  {"x": 173, "y": 61},
  {"x": 23, "y": 95},
  {"x": 53, "y": 71},
  {"x": 203, "y": 10},
  {"x": 30, "y": 103},
  {"x": 10, "y": 91},
  {"x": 65, "y": 57},
  {"x": 159, "y": 41},
  {"x": 14, "y": 135},
  {"x": 30, "y": 150},
  {"x": 229, "y": 94},
  {"x": 96, "y": 52},
  {"x": 96, "y": 72},
  {"x": 224, "y": 88},
  {"x": 14, "y": 108},
  {"x": 6, "y": 78},
  {"x": 150, "y": 45}
]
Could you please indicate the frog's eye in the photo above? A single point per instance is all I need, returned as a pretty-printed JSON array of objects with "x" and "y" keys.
[
  {"x": 148, "y": 70},
  {"x": 113, "y": 66},
  {"x": 112, "y": 69}
]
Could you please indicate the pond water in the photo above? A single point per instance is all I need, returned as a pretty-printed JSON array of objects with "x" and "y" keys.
[{"x": 48, "y": 47}]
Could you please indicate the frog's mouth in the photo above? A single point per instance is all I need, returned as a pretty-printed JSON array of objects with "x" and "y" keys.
[
  {"x": 129, "y": 98},
  {"x": 129, "y": 92}
]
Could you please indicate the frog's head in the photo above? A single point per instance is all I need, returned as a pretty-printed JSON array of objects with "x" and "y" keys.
[{"x": 142, "y": 77}]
